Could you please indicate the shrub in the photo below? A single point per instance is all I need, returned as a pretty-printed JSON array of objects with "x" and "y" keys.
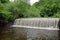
[
  {"x": 5, "y": 15},
  {"x": 48, "y": 8}
]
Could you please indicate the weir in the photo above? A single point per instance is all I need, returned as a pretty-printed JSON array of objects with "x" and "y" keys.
[
  {"x": 38, "y": 28},
  {"x": 38, "y": 22},
  {"x": 33, "y": 29}
]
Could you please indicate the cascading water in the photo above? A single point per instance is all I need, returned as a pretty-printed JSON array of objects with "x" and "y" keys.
[{"x": 38, "y": 22}]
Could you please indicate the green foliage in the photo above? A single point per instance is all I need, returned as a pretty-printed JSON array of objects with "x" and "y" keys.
[
  {"x": 32, "y": 12},
  {"x": 48, "y": 8},
  {"x": 23, "y": 10},
  {"x": 5, "y": 15},
  {"x": 1, "y": 6},
  {"x": 4, "y": 1},
  {"x": 57, "y": 15},
  {"x": 12, "y": 10}
]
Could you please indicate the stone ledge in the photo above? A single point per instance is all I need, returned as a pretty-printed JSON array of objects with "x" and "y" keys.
[{"x": 46, "y": 28}]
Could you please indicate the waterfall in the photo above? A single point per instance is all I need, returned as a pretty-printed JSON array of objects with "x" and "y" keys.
[
  {"x": 37, "y": 22},
  {"x": 40, "y": 28}
]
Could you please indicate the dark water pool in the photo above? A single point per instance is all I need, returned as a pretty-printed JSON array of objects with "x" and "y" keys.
[{"x": 17, "y": 33}]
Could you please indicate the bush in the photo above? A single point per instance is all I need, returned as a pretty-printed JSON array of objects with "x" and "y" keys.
[
  {"x": 18, "y": 9},
  {"x": 21, "y": 9},
  {"x": 48, "y": 8},
  {"x": 4, "y": 1},
  {"x": 5, "y": 15},
  {"x": 32, "y": 12}
]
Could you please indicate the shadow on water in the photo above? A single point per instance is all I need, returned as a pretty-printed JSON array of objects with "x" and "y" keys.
[
  {"x": 59, "y": 30},
  {"x": 8, "y": 33},
  {"x": 4, "y": 31}
]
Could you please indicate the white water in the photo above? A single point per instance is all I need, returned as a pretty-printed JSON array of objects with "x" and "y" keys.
[
  {"x": 38, "y": 22},
  {"x": 47, "y": 28}
]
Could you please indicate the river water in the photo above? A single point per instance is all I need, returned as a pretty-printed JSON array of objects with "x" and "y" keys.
[{"x": 20, "y": 33}]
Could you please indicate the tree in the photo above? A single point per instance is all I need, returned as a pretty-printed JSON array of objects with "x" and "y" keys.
[
  {"x": 5, "y": 15},
  {"x": 48, "y": 8},
  {"x": 4, "y": 1},
  {"x": 18, "y": 9},
  {"x": 32, "y": 12}
]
